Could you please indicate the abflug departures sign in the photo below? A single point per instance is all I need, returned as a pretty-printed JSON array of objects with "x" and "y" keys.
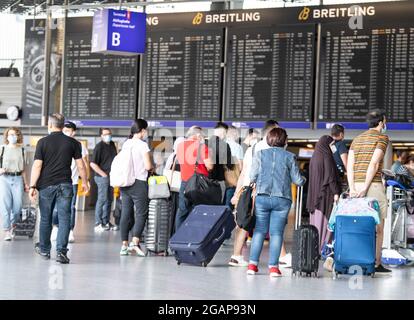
[{"x": 119, "y": 32}]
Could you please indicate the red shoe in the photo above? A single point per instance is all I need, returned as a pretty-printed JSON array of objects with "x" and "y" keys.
[
  {"x": 252, "y": 269},
  {"x": 275, "y": 272}
]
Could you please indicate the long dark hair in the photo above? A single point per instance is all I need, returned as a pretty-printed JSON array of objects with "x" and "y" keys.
[{"x": 137, "y": 126}]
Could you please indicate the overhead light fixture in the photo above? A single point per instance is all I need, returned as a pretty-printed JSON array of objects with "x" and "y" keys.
[{"x": 310, "y": 146}]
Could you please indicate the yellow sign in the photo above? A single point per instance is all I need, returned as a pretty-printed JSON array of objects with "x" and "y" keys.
[
  {"x": 304, "y": 14},
  {"x": 198, "y": 18}
]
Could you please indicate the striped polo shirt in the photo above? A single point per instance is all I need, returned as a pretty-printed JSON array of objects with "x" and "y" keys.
[{"x": 364, "y": 146}]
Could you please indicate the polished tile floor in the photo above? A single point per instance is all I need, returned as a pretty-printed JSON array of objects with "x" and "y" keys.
[{"x": 98, "y": 272}]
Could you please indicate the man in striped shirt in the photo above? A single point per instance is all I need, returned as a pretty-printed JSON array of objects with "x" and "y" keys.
[{"x": 365, "y": 162}]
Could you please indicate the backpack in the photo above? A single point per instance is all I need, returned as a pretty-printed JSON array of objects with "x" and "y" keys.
[{"x": 122, "y": 169}]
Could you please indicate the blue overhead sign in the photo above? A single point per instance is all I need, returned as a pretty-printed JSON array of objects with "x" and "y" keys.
[{"x": 119, "y": 32}]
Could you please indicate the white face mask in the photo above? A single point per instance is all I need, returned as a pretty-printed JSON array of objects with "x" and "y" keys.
[
  {"x": 285, "y": 147},
  {"x": 12, "y": 139},
  {"x": 67, "y": 134},
  {"x": 384, "y": 130}
]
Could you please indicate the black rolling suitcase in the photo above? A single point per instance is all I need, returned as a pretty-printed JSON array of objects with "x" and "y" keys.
[
  {"x": 157, "y": 232},
  {"x": 200, "y": 236},
  {"x": 305, "y": 252},
  {"x": 26, "y": 224}
]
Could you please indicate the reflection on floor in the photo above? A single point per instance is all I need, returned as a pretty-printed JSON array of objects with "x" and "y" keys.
[{"x": 98, "y": 272}]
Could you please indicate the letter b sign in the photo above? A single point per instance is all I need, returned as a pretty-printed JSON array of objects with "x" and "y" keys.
[{"x": 116, "y": 39}]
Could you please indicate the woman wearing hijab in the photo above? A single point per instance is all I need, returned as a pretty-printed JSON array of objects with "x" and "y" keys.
[{"x": 324, "y": 187}]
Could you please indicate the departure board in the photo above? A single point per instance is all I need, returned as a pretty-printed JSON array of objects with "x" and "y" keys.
[
  {"x": 182, "y": 75},
  {"x": 270, "y": 73},
  {"x": 367, "y": 69},
  {"x": 97, "y": 86}
]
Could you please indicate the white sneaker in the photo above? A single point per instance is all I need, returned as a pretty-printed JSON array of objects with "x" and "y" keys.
[
  {"x": 238, "y": 261},
  {"x": 328, "y": 264},
  {"x": 99, "y": 228},
  {"x": 53, "y": 236},
  {"x": 71, "y": 237},
  {"x": 7, "y": 236},
  {"x": 137, "y": 249},
  {"x": 286, "y": 261}
]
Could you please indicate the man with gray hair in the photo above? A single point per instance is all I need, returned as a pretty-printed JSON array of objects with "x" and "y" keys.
[
  {"x": 52, "y": 178},
  {"x": 186, "y": 155}
]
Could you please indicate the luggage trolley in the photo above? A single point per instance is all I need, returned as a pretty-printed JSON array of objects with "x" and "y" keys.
[{"x": 396, "y": 251}]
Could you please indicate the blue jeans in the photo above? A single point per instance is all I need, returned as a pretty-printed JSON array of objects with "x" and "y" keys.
[
  {"x": 60, "y": 196},
  {"x": 73, "y": 210},
  {"x": 227, "y": 197},
  {"x": 11, "y": 199},
  {"x": 271, "y": 216},
  {"x": 104, "y": 201},
  {"x": 184, "y": 207}
]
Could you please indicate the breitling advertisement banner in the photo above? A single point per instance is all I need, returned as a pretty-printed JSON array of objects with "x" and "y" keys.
[
  {"x": 33, "y": 75},
  {"x": 372, "y": 12}
]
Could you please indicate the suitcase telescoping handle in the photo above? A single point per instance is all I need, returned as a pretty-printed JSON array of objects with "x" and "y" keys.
[{"x": 298, "y": 215}]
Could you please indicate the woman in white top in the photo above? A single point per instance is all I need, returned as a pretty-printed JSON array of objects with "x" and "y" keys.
[
  {"x": 12, "y": 180},
  {"x": 137, "y": 194}
]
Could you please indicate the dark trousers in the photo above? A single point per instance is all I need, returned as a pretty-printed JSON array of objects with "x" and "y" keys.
[
  {"x": 184, "y": 207},
  {"x": 60, "y": 196},
  {"x": 135, "y": 195},
  {"x": 72, "y": 208}
]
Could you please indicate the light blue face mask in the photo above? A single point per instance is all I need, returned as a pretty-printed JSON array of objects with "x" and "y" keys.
[
  {"x": 107, "y": 139},
  {"x": 384, "y": 130},
  {"x": 12, "y": 139}
]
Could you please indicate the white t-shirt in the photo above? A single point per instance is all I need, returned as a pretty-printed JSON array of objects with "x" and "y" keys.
[
  {"x": 248, "y": 160},
  {"x": 236, "y": 149},
  {"x": 74, "y": 167},
  {"x": 139, "y": 149}
]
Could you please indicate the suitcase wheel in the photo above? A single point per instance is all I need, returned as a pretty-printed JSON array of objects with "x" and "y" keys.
[
  {"x": 178, "y": 262},
  {"x": 204, "y": 264}
]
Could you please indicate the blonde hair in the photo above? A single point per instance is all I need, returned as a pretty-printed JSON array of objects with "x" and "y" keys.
[{"x": 18, "y": 134}]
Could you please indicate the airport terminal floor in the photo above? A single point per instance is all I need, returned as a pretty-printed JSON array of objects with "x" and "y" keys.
[{"x": 97, "y": 271}]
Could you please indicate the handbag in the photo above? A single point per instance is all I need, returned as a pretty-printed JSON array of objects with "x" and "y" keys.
[
  {"x": 173, "y": 177},
  {"x": 202, "y": 190},
  {"x": 158, "y": 187},
  {"x": 245, "y": 217}
]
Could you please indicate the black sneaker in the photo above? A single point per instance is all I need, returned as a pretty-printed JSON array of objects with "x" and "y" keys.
[
  {"x": 62, "y": 258},
  {"x": 107, "y": 226},
  {"x": 381, "y": 270},
  {"x": 44, "y": 255}
]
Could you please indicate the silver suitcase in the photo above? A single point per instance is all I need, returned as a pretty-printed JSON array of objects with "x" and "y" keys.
[{"x": 157, "y": 232}]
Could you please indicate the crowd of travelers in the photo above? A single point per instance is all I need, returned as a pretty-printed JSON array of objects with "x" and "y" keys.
[{"x": 62, "y": 170}]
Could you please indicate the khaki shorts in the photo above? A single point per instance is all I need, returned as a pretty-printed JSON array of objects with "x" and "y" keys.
[{"x": 376, "y": 191}]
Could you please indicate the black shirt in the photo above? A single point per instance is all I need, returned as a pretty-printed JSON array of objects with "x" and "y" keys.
[
  {"x": 56, "y": 151},
  {"x": 103, "y": 155},
  {"x": 221, "y": 157}
]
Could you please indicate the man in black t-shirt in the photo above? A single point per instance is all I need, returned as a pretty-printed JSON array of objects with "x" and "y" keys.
[
  {"x": 52, "y": 178},
  {"x": 101, "y": 161},
  {"x": 339, "y": 149}
]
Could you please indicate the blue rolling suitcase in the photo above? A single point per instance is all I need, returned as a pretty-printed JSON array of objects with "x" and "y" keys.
[
  {"x": 355, "y": 245},
  {"x": 201, "y": 235}
]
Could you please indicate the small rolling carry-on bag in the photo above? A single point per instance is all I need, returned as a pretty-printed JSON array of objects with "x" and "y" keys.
[
  {"x": 27, "y": 223},
  {"x": 355, "y": 245},
  {"x": 305, "y": 253},
  {"x": 157, "y": 232},
  {"x": 200, "y": 236}
]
